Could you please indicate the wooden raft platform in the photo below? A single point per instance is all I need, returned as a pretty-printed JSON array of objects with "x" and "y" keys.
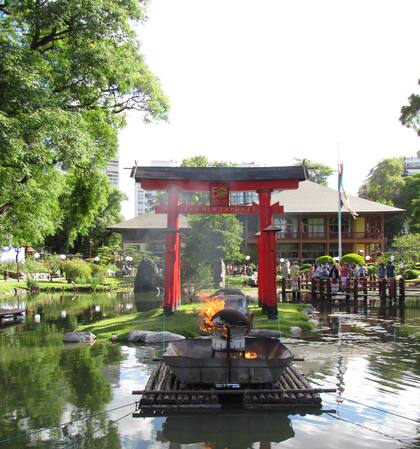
[{"x": 164, "y": 393}]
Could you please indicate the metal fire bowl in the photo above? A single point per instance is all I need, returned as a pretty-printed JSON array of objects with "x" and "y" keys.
[{"x": 194, "y": 362}]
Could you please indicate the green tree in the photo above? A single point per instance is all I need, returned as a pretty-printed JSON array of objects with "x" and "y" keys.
[
  {"x": 69, "y": 71},
  {"x": 405, "y": 249},
  {"x": 410, "y": 201},
  {"x": 89, "y": 203},
  {"x": 317, "y": 172},
  {"x": 211, "y": 238},
  {"x": 384, "y": 182},
  {"x": 410, "y": 114}
]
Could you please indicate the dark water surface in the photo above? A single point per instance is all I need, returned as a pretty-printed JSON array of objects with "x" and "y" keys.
[{"x": 58, "y": 396}]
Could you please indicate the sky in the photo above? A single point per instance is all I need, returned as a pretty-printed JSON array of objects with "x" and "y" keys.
[{"x": 272, "y": 80}]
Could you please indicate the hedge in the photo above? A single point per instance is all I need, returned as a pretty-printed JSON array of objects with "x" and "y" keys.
[
  {"x": 352, "y": 258},
  {"x": 78, "y": 272},
  {"x": 324, "y": 259}
]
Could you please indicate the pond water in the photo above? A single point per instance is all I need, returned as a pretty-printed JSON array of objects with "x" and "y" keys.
[{"x": 58, "y": 396}]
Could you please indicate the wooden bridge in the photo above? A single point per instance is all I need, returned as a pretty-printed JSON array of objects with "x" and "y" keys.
[{"x": 355, "y": 288}]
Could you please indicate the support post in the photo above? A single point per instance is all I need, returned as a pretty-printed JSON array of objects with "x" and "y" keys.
[
  {"x": 268, "y": 255},
  {"x": 260, "y": 273},
  {"x": 402, "y": 290},
  {"x": 356, "y": 289},
  {"x": 172, "y": 256},
  {"x": 329, "y": 295}
]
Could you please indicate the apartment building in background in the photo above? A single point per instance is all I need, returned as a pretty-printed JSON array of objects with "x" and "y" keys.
[
  {"x": 112, "y": 171},
  {"x": 143, "y": 199}
]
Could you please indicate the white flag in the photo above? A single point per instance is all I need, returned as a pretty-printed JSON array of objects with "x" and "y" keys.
[{"x": 346, "y": 203}]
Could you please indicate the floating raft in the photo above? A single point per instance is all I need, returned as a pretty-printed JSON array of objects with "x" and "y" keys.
[{"x": 164, "y": 393}]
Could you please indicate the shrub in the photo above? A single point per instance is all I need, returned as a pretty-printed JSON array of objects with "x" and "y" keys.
[
  {"x": 31, "y": 284},
  {"x": 324, "y": 259},
  {"x": 77, "y": 272},
  {"x": 305, "y": 267},
  {"x": 411, "y": 274},
  {"x": 98, "y": 273},
  {"x": 352, "y": 258}
]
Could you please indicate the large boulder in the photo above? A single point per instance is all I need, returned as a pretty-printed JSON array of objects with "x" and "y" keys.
[
  {"x": 79, "y": 337},
  {"x": 153, "y": 337},
  {"x": 148, "y": 278}
]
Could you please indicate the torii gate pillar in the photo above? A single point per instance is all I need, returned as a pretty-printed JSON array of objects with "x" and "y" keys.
[
  {"x": 172, "y": 257},
  {"x": 267, "y": 288}
]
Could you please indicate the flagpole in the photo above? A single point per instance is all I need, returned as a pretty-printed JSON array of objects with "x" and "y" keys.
[{"x": 340, "y": 181}]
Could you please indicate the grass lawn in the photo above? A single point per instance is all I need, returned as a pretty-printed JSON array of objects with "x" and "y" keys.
[
  {"x": 7, "y": 287},
  {"x": 185, "y": 321}
]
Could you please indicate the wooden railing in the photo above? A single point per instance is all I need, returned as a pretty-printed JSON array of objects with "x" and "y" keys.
[{"x": 352, "y": 288}]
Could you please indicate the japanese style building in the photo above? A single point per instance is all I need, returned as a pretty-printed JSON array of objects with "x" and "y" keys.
[{"x": 308, "y": 226}]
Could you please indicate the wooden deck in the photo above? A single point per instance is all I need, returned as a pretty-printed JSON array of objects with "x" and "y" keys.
[
  {"x": 11, "y": 315},
  {"x": 164, "y": 393}
]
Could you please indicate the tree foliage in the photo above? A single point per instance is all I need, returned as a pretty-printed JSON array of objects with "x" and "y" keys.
[
  {"x": 410, "y": 114},
  {"x": 317, "y": 172},
  {"x": 213, "y": 237},
  {"x": 88, "y": 204},
  {"x": 404, "y": 249},
  {"x": 68, "y": 71},
  {"x": 410, "y": 201},
  {"x": 386, "y": 185},
  {"x": 384, "y": 182},
  {"x": 210, "y": 237}
]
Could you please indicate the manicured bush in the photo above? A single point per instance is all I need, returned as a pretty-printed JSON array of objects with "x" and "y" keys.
[
  {"x": 305, "y": 267},
  {"x": 352, "y": 258},
  {"x": 324, "y": 259},
  {"x": 411, "y": 274},
  {"x": 78, "y": 272}
]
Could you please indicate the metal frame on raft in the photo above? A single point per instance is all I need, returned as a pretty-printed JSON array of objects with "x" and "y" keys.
[{"x": 164, "y": 394}]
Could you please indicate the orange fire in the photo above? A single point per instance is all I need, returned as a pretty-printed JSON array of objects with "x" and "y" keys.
[
  {"x": 250, "y": 355},
  {"x": 206, "y": 314}
]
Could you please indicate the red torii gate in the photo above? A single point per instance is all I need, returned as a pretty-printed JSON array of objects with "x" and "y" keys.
[{"x": 219, "y": 182}]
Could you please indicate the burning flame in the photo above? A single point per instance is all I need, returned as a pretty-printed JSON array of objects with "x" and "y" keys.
[
  {"x": 250, "y": 355},
  {"x": 213, "y": 306}
]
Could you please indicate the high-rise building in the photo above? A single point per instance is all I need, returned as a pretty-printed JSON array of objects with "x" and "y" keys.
[
  {"x": 143, "y": 199},
  {"x": 112, "y": 171},
  {"x": 411, "y": 166}
]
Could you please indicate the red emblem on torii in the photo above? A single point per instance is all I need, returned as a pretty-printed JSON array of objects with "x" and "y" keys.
[{"x": 219, "y": 182}]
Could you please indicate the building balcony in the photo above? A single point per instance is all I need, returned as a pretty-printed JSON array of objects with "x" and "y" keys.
[{"x": 294, "y": 236}]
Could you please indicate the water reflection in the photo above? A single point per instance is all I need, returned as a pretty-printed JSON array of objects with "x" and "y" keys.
[
  {"x": 55, "y": 396},
  {"x": 233, "y": 430}
]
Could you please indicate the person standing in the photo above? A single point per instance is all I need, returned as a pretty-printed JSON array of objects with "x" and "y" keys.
[
  {"x": 335, "y": 277},
  {"x": 294, "y": 273},
  {"x": 390, "y": 278},
  {"x": 381, "y": 272},
  {"x": 344, "y": 273}
]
